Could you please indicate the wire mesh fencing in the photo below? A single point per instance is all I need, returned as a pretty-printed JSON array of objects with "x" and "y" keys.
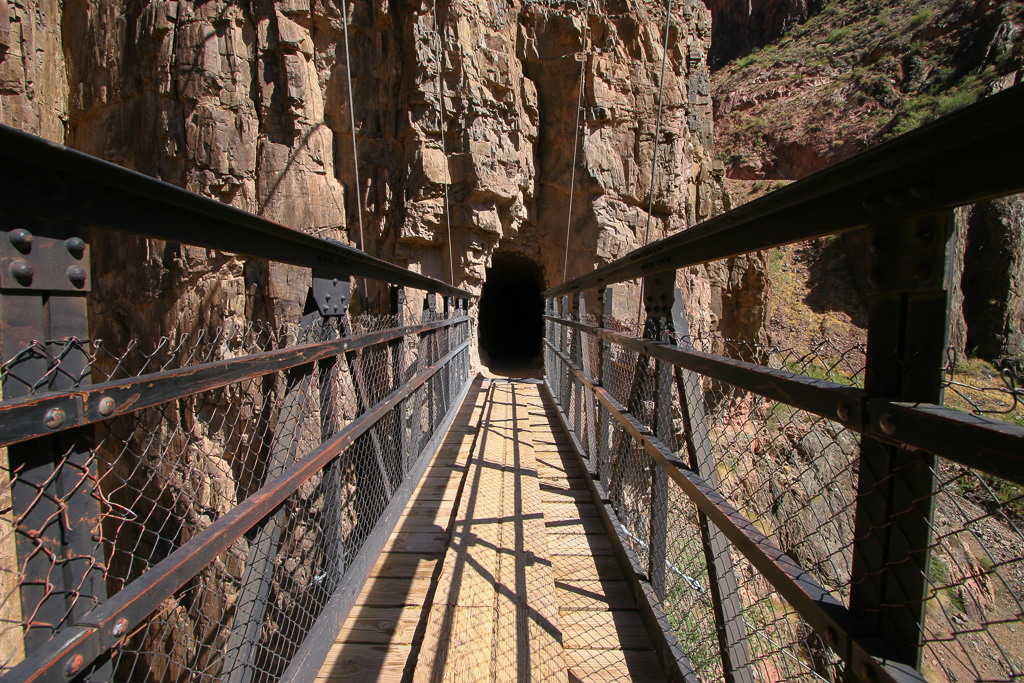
[
  {"x": 90, "y": 512},
  {"x": 794, "y": 477}
]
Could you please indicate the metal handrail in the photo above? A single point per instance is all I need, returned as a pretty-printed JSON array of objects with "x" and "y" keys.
[
  {"x": 59, "y": 183},
  {"x": 966, "y": 157}
]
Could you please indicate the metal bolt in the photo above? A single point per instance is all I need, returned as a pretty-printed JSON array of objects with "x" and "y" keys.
[
  {"x": 888, "y": 424},
  {"x": 925, "y": 236},
  {"x": 76, "y": 275},
  {"x": 843, "y": 411},
  {"x": 867, "y": 672},
  {"x": 22, "y": 240},
  {"x": 875, "y": 277},
  {"x": 922, "y": 272},
  {"x": 22, "y": 271},
  {"x": 54, "y": 418},
  {"x": 75, "y": 246},
  {"x": 74, "y": 665},
  {"x": 876, "y": 245},
  {"x": 830, "y": 636},
  {"x": 871, "y": 203},
  {"x": 119, "y": 628},
  {"x": 327, "y": 297},
  {"x": 107, "y": 406}
]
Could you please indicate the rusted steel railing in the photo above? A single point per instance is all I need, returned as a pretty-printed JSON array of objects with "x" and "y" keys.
[
  {"x": 207, "y": 502},
  {"x": 812, "y": 512}
]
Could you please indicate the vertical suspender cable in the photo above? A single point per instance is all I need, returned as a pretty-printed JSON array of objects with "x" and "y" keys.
[
  {"x": 444, "y": 151},
  {"x": 657, "y": 135},
  {"x": 352, "y": 119},
  {"x": 576, "y": 141}
]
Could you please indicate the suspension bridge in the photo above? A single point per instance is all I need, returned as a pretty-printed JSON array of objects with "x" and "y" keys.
[{"x": 342, "y": 496}]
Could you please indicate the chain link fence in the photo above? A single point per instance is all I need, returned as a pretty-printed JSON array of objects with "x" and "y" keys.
[
  {"x": 89, "y": 512},
  {"x": 794, "y": 476}
]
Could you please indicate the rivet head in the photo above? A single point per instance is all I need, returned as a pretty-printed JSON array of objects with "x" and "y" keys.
[
  {"x": 119, "y": 628},
  {"x": 925, "y": 236},
  {"x": 54, "y": 418},
  {"x": 843, "y": 412},
  {"x": 922, "y": 272},
  {"x": 106, "y": 406},
  {"x": 876, "y": 245},
  {"x": 867, "y": 672},
  {"x": 22, "y": 271},
  {"x": 327, "y": 297},
  {"x": 875, "y": 277},
  {"x": 76, "y": 275},
  {"x": 888, "y": 424},
  {"x": 830, "y": 636},
  {"x": 74, "y": 665},
  {"x": 75, "y": 246},
  {"x": 22, "y": 240}
]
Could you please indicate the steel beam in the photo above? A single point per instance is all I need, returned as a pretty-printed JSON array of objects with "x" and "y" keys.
[
  {"x": 60, "y": 183},
  {"x": 962, "y": 158}
]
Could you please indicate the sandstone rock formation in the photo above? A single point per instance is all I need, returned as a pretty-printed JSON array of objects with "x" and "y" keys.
[
  {"x": 248, "y": 103},
  {"x": 993, "y": 280}
]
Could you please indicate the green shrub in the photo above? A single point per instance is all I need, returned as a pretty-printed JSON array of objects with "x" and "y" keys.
[
  {"x": 838, "y": 34},
  {"x": 921, "y": 17}
]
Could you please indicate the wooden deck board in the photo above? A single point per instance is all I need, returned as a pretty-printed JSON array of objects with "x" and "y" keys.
[
  {"x": 499, "y": 564},
  {"x": 492, "y": 588}
]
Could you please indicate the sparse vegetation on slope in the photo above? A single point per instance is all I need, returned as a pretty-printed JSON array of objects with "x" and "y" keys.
[{"x": 858, "y": 73}]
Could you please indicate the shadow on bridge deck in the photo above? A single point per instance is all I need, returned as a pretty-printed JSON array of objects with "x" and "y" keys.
[{"x": 499, "y": 568}]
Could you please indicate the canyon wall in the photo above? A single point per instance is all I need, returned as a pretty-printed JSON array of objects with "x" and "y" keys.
[{"x": 248, "y": 102}]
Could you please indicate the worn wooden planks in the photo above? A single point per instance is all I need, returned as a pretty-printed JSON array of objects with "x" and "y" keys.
[
  {"x": 604, "y": 638},
  {"x": 495, "y": 611},
  {"x": 499, "y": 569}
]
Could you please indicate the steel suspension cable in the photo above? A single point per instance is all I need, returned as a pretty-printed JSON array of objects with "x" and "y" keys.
[
  {"x": 444, "y": 151},
  {"x": 576, "y": 141},
  {"x": 352, "y": 119},
  {"x": 657, "y": 135}
]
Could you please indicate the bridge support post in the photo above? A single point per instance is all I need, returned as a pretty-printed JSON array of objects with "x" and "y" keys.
[
  {"x": 573, "y": 395},
  {"x": 907, "y": 336},
  {"x": 563, "y": 346},
  {"x": 604, "y": 361},
  {"x": 658, "y": 305},
  {"x": 55, "y": 539},
  {"x": 398, "y": 376},
  {"x": 589, "y": 404}
]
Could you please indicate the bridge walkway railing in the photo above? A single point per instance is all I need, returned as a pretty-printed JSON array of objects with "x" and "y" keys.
[
  {"x": 814, "y": 513},
  {"x": 202, "y": 502}
]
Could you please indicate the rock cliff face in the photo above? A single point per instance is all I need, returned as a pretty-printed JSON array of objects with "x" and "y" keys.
[
  {"x": 738, "y": 26},
  {"x": 248, "y": 102}
]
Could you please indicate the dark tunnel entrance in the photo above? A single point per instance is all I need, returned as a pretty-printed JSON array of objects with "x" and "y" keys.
[{"x": 511, "y": 326}]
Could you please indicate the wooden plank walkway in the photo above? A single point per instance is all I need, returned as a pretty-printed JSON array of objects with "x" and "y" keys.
[{"x": 499, "y": 569}]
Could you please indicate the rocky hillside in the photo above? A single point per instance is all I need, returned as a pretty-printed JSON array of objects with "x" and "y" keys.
[
  {"x": 849, "y": 76},
  {"x": 858, "y": 73}
]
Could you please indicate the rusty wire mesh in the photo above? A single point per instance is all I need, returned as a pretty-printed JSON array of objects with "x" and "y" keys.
[
  {"x": 794, "y": 476},
  {"x": 89, "y": 511}
]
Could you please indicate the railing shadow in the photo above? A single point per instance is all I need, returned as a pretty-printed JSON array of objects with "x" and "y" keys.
[{"x": 389, "y": 619}]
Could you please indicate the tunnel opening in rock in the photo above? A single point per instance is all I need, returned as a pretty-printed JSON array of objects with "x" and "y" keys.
[{"x": 511, "y": 310}]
